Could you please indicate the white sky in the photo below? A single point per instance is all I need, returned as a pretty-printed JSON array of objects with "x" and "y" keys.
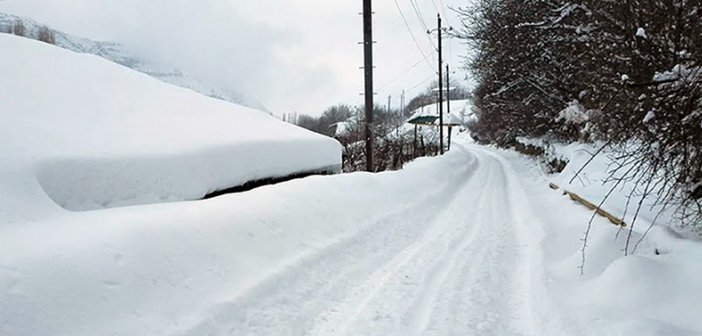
[{"x": 294, "y": 56}]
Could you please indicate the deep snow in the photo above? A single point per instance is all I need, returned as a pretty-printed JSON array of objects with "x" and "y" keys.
[
  {"x": 120, "y": 54},
  {"x": 469, "y": 243},
  {"x": 91, "y": 134}
]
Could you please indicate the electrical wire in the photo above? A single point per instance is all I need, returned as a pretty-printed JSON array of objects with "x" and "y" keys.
[
  {"x": 422, "y": 82},
  {"x": 416, "y": 42},
  {"x": 419, "y": 15},
  {"x": 384, "y": 86},
  {"x": 418, "y": 12}
]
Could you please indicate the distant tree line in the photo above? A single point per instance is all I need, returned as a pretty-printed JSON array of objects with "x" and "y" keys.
[
  {"x": 43, "y": 33},
  {"x": 326, "y": 123},
  {"x": 625, "y": 73}
]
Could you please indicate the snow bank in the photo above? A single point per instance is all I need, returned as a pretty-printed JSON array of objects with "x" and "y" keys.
[
  {"x": 163, "y": 269},
  {"x": 91, "y": 134},
  {"x": 593, "y": 184},
  {"x": 653, "y": 291}
]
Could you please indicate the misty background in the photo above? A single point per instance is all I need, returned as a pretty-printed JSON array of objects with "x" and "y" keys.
[{"x": 294, "y": 56}]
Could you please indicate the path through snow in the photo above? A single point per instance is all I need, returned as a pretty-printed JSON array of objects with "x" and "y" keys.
[{"x": 463, "y": 265}]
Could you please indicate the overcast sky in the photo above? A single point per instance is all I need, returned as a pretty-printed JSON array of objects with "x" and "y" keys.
[{"x": 292, "y": 55}]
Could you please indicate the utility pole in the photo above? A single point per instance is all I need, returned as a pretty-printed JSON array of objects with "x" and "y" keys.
[
  {"x": 448, "y": 92},
  {"x": 441, "y": 93},
  {"x": 368, "y": 70},
  {"x": 448, "y": 104},
  {"x": 389, "y": 102},
  {"x": 402, "y": 103}
]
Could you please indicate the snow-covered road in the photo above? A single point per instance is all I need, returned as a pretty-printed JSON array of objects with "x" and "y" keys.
[
  {"x": 461, "y": 265},
  {"x": 96, "y": 238},
  {"x": 470, "y": 243}
]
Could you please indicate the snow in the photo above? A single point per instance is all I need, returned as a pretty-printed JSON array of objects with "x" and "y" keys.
[
  {"x": 575, "y": 113},
  {"x": 460, "y": 111},
  {"x": 649, "y": 116},
  {"x": 91, "y": 134},
  {"x": 469, "y": 243},
  {"x": 679, "y": 72},
  {"x": 343, "y": 128},
  {"x": 652, "y": 292},
  {"x": 177, "y": 268},
  {"x": 120, "y": 54}
]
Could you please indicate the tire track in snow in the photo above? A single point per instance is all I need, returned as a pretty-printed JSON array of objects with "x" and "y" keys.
[
  {"x": 466, "y": 263},
  {"x": 288, "y": 302},
  {"x": 479, "y": 296},
  {"x": 376, "y": 287},
  {"x": 420, "y": 319},
  {"x": 540, "y": 317},
  {"x": 475, "y": 277}
]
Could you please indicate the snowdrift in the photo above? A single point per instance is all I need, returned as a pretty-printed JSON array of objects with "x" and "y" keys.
[
  {"x": 90, "y": 134},
  {"x": 168, "y": 269},
  {"x": 655, "y": 290}
]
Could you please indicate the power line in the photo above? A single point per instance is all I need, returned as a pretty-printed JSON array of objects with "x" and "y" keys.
[
  {"x": 422, "y": 82},
  {"x": 418, "y": 12},
  {"x": 413, "y": 37},
  {"x": 400, "y": 75},
  {"x": 419, "y": 15}
]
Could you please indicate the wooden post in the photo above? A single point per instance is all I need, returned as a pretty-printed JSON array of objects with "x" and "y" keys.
[
  {"x": 441, "y": 92},
  {"x": 449, "y": 138},
  {"x": 368, "y": 73},
  {"x": 414, "y": 149}
]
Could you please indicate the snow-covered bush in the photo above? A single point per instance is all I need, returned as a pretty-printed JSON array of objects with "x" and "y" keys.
[{"x": 627, "y": 73}]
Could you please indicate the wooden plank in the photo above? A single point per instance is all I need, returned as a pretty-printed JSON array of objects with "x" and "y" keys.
[{"x": 591, "y": 206}]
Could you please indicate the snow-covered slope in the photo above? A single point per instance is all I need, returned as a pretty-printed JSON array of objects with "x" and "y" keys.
[
  {"x": 120, "y": 54},
  {"x": 654, "y": 290},
  {"x": 460, "y": 111},
  {"x": 92, "y": 134}
]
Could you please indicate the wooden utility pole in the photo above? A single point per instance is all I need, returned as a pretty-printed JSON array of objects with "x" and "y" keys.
[
  {"x": 448, "y": 104},
  {"x": 402, "y": 104},
  {"x": 441, "y": 92},
  {"x": 368, "y": 70}
]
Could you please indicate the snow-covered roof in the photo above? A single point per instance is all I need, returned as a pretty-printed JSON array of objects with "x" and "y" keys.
[
  {"x": 426, "y": 113},
  {"x": 343, "y": 127}
]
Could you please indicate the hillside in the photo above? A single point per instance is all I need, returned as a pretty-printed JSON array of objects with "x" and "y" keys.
[{"x": 121, "y": 54}]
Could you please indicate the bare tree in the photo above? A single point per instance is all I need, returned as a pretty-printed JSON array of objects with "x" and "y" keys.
[
  {"x": 46, "y": 35},
  {"x": 19, "y": 29}
]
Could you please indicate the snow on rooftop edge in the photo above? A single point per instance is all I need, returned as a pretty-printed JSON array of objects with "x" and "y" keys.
[{"x": 94, "y": 134}]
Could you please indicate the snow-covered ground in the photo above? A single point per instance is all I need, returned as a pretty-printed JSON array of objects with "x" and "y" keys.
[
  {"x": 120, "y": 54},
  {"x": 653, "y": 291},
  {"x": 90, "y": 134},
  {"x": 469, "y": 243}
]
